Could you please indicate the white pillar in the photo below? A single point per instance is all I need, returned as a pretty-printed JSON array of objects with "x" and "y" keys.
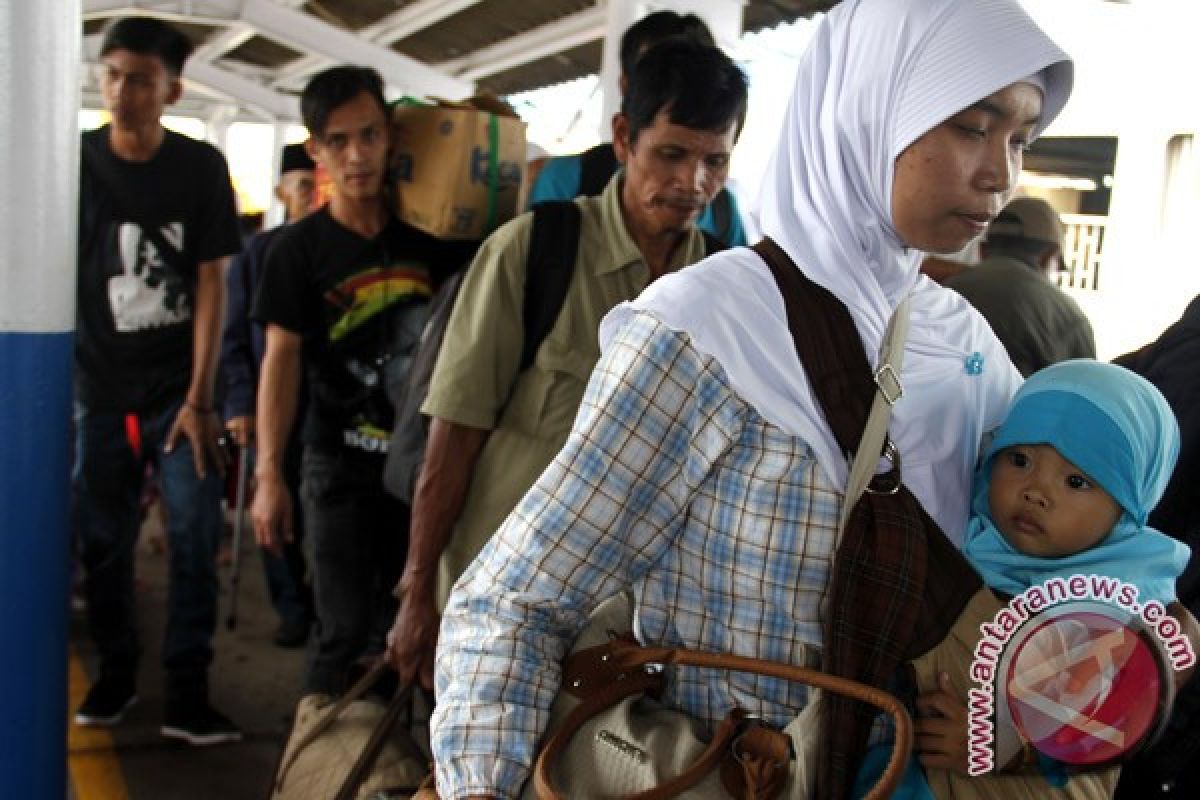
[
  {"x": 723, "y": 17},
  {"x": 39, "y": 148},
  {"x": 275, "y": 212},
  {"x": 217, "y": 125}
]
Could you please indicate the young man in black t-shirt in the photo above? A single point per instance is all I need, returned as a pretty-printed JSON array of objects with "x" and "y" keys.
[
  {"x": 343, "y": 297},
  {"x": 157, "y": 225}
]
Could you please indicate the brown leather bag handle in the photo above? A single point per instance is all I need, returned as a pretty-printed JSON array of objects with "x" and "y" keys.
[
  {"x": 604, "y": 698},
  {"x": 634, "y": 659},
  {"x": 401, "y": 702}
]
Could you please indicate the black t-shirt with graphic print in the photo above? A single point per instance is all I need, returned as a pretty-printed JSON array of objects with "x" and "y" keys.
[
  {"x": 143, "y": 229},
  {"x": 360, "y": 305}
]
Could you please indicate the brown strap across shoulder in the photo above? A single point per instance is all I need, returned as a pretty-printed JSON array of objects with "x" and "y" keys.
[
  {"x": 898, "y": 583},
  {"x": 828, "y": 345}
]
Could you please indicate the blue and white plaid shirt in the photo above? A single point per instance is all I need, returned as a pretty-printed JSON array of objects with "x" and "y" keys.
[{"x": 670, "y": 484}]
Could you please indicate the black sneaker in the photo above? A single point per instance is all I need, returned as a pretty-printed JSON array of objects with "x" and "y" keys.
[
  {"x": 199, "y": 725},
  {"x": 106, "y": 702}
]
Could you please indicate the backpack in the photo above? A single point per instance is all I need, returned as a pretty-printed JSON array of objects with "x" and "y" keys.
[{"x": 553, "y": 249}]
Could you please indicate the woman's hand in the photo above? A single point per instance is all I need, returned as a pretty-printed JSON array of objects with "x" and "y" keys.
[{"x": 941, "y": 728}]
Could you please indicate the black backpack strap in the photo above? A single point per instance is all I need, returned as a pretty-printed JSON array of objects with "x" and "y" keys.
[
  {"x": 553, "y": 248},
  {"x": 596, "y": 168},
  {"x": 712, "y": 244},
  {"x": 722, "y": 212}
]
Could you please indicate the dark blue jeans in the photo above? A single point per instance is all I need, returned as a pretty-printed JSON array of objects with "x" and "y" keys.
[
  {"x": 359, "y": 536},
  {"x": 107, "y": 484}
]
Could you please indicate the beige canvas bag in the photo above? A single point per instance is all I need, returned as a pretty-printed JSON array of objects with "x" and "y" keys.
[{"x": 351, "y": 749}]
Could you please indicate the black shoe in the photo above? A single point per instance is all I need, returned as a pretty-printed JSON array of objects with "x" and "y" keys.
[
  {"x": 106, "y": 702},
  {"x": 291, "y": 634},
  {"x": 199, "y": 724}
]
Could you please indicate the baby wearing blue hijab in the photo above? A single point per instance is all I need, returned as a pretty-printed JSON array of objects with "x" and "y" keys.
[
  {"x": 1117, "y": 433},
  {"x": 1064, "y": 488}
]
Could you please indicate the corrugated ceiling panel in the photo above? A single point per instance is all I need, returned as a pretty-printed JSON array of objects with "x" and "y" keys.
[
  {"x": 263, "y": 52},
  {"x": 565, "y": 66},
  {"x": 484, "y": 24},
  {"x": 353, "y": 14},
  {"x": 759, "y": 14}
]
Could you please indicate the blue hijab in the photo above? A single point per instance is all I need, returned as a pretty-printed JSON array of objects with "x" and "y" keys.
[{"x": 1119, "y": 431}]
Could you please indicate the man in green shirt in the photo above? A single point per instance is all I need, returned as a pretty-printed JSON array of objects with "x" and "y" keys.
[
  {"x": 1013, "y": 288},
  {"x": 495, "y": 427}
]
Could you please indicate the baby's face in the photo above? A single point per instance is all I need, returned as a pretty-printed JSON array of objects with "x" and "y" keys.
[{"x": 1044, "y": 505}]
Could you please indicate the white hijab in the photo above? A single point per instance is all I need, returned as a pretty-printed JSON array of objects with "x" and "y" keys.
[{"x": 877, "y": 75}]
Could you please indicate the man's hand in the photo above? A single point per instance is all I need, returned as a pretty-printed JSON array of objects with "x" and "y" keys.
[
  {"x": 412, "y": 641},
  {"x": 941, "y": 728},
  {"x": 242, "y": 430},
  {"x": 203, "y": 430},
  {"x": 271, "y": 512}
]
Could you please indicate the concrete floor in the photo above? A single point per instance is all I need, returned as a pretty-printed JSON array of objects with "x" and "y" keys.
[{"x": 252, "y": 681}]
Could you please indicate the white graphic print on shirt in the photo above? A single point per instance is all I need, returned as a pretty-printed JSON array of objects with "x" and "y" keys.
[{"x": 146, "y": 293}]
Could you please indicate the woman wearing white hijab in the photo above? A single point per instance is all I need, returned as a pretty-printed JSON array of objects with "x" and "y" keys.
[{"x": 700, "y": 471}]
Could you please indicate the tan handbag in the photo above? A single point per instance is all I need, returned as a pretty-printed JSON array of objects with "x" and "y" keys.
[
  {"x": 609, "y": 738},
  {"x": 615, "y": 741},
  {"x": 350, "y": 749}
]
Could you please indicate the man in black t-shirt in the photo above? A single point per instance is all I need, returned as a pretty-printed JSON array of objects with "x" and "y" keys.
[
  {"x": 343, "y": 296},
  {"x": 156, "y": 228}
]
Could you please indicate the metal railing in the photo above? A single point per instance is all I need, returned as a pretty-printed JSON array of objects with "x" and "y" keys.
[{"x": 1083, "y": 249}]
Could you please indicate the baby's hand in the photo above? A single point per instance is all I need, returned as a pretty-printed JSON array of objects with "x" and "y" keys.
[{"x": 941, "y": 728}]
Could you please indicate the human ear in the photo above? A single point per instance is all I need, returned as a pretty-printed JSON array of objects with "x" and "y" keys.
[
  {"x": 621, "y": 143},
  {"x": 174, "y": 92}
]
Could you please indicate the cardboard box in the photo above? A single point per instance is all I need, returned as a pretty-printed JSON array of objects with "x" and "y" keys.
[{"x": 458, "y": 168}]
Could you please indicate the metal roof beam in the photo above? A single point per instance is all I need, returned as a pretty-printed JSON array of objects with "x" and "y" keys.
[
  {"x": 98, "y": 9},
  {"x": 546, "y": 40},
  {"x": 305, "y": 33},
  {"x": 243, "y": 91},
  {"x": 230, "y": 39},
  {"x": 234, "y": 37},
  {"x": 414, "y": 18},
  {"x": 392, "y": 28}
]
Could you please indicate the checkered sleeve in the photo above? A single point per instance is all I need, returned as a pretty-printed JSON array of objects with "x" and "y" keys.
[{"x": 654, "y": 420}]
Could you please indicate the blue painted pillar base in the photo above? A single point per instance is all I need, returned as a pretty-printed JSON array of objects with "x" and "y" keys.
[{"x": 35, "y": 451}]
